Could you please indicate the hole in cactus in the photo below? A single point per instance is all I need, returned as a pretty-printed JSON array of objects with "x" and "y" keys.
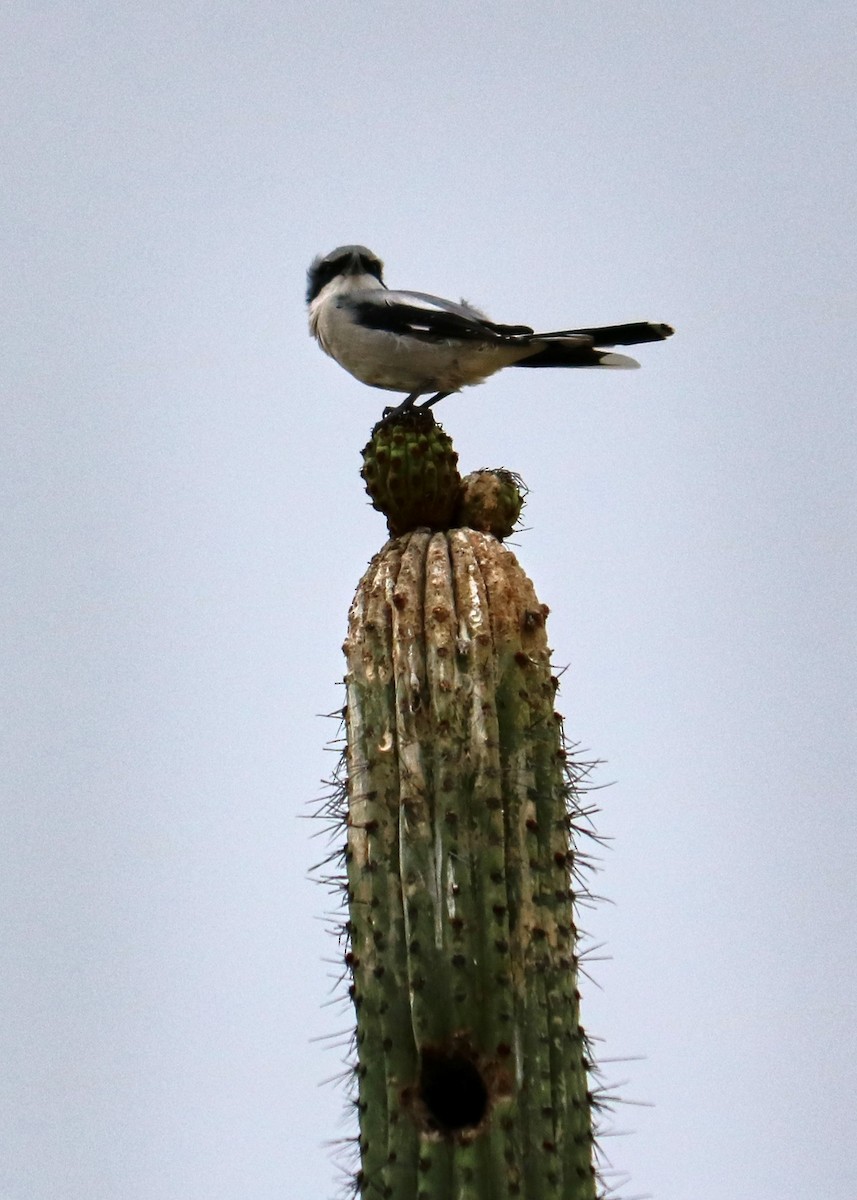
[{"x": 452, "y": 1089}]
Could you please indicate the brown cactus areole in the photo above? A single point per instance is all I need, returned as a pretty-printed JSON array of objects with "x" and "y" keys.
[{"x": 471, "y": 1061}]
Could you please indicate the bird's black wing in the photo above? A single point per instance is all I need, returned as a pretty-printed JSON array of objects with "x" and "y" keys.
[{"x": 415, "y": 314}]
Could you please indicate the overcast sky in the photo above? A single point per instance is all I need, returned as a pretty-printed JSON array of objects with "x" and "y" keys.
[{"x": 184, "y": 525}]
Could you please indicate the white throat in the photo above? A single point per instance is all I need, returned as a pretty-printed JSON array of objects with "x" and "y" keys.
[{"x": 341, "y": 285}]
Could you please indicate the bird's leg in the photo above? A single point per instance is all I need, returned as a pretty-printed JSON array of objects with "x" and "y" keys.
[
  {"x": 406, "y": 406},
  {"x": 434, "y": 399}
]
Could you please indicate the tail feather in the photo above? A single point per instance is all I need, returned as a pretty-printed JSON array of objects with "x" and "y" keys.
[
  {"x": 555, "y": 354},
  {"x": 631, "y": 334}
]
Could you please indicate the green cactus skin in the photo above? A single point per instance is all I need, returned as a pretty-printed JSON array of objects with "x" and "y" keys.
[
  {"x": 471, "y": 1063},
  {"x": 491, "y": 500},
  {"x": 411, "y": 473}
]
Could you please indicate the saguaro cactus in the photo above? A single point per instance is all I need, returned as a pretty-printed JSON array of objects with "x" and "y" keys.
[{"x": 472, "y": 1066}]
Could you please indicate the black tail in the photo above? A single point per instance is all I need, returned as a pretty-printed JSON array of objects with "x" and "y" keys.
[
  {"x": 564, "y": 349},
  {"x": 633, "y": 334},
  {"x": 555, "y": 354}
]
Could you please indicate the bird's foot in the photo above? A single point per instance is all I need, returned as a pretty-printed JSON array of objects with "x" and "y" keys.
[
  {"x": 410, "y": 402},
  {"x": 396, "y": 410}
]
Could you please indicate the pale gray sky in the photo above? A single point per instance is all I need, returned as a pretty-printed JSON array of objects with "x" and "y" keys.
[{"x": 184, "y": 525}]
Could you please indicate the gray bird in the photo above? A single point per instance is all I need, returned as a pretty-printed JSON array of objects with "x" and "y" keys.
[{"x": 426, "y": 346}]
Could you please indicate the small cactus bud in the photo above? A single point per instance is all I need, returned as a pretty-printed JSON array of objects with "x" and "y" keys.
[
  {"x": 410, "y": 471},
  {"x": 491, "y": 501}
]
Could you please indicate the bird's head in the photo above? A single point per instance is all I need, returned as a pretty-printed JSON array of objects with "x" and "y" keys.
[{"x": 344, "y": 261}]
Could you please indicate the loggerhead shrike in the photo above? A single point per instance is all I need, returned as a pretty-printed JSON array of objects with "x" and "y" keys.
[{"x": 425, "y": 346}]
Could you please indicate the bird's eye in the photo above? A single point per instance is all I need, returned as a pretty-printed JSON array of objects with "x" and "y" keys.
[
  {"x": 371, "y": 265},
  {"x": 337, "y": 265}
]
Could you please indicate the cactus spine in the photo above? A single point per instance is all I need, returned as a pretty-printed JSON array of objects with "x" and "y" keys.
[{"x": 471, "y": 1062}]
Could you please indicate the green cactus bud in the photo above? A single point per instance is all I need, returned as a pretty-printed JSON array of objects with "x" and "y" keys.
[
  {"x": 471, "y": 1062},
  {"x": 491, "y": 500},
  {"x": 410, "y": 471}
]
